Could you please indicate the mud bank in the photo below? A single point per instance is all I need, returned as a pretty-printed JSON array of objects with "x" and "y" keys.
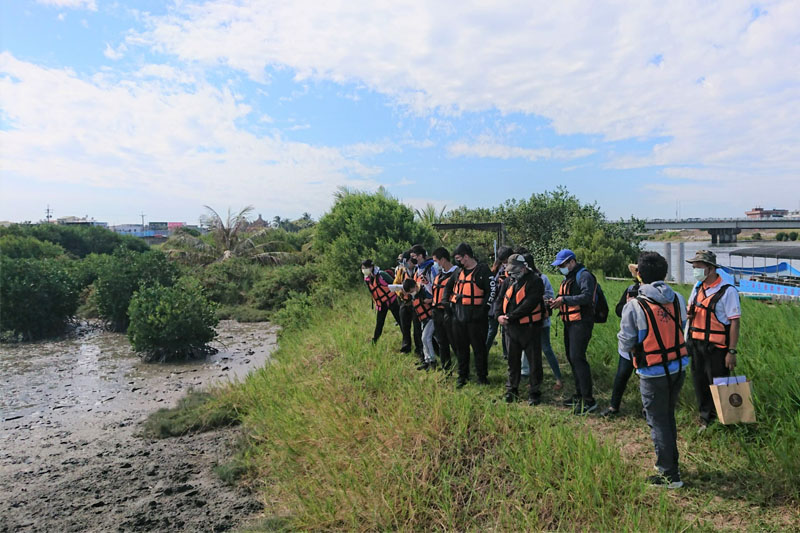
[{"x": 71, "y": 458}]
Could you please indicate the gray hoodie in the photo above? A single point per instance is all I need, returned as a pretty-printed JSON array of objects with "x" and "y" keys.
[{"x": 633, "y": 324}]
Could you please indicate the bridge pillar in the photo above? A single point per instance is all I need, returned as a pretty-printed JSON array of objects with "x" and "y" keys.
[{"x": 724, "y": 235}]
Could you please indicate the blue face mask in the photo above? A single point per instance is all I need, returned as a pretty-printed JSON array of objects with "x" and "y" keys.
[{"x": 563, "y": 270}]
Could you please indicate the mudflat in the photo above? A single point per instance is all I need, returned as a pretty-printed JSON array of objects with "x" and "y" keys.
[{"x": 72, "y": 457}]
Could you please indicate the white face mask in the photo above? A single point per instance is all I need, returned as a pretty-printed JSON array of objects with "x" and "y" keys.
[
  {"x": 366, "y": 271},
  {"x": 563, "y": 270},
  {"x": 699, "y": 273}
]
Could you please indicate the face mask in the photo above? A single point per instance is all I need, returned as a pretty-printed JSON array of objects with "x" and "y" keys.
[
  {"x": 699, "y": 273},
  {"x": 413, "y": 261},
  {"x": 563, "y": 270},
  {"x": 366, "y": 271}
]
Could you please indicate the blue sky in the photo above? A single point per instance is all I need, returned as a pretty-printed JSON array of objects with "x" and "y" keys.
[{"x": 113, "y": 109}]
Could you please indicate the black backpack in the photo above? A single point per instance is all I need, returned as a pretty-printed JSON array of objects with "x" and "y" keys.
[{"x": 600, "y": 303}]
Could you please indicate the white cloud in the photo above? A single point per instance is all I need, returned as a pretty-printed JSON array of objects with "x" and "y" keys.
[
  {"x": 487, "y": 147},
  {"x": 115, "y": 54},
  {"x": 72, "y": 4},
  {"x": 159, "y": 136},
  {"x": 716, "y": 81}
]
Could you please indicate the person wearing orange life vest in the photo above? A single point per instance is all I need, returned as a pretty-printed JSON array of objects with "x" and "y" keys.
[
  {"x": 520, "y": 310},
  {"x": 498, "y": 277},
  {"x": 424, "y": 273},
  {"x": 408, "y": 321},
  {"x": 469, "y": 300},
  {"x": 575, "y": 302},
  {"x": 713, "y": 333},
  {"x": 442, "y": 312},
  {"x": 422, "y": 301},
  {"x": 383, "y": 298},
  {"x": 651, "y": 336}
]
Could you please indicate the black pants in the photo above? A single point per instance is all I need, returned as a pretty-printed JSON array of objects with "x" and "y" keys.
[
  {"x": 472, "y": 334},
  {"x": 409, "y": 322},
  {"x": 624, "y": 372},
  {"x": 527, "y": 338},
  {"x": 708, "y": 362},
  {"x": 443, "y": 322},
  {"x": 381, "y": 319},
  {"x": 576, "y": 340}
]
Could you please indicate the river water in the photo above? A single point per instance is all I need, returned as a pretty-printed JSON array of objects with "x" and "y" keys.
[{"x": 721, "y": 250}]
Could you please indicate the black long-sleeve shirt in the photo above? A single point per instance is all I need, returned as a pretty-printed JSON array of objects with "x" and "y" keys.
[
  {"x": 534, "y": 295},
  {"x": 482, "y": 278}
]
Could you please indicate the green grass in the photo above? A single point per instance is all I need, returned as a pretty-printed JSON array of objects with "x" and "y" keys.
[
  {"x": 195, "y": 412},
  {"x": 242, "y": 313},
  {"x": 343, "y": 435}
]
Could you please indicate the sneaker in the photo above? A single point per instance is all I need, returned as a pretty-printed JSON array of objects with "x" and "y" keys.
[
  {"x": 559, "y": 385},
  {"x": 584, "y": 408},
  {"x": 572, "y": 400},
  {"x": 423, "y": 366},
  {"x": 534, "y": 400},
  {"x": 673, "y": 482},
  {"x": 703, "y": 426},
  {"x": 510, "y": 397},
  {"x": 609, "y": 412}
]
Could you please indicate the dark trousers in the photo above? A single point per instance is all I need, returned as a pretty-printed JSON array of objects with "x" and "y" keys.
[
  {"x": 576, "y": 340},
  {"x": 659, "y": 398},
  {"x": 527, "y": 338},
  {"x": 472, "y": 334},
  {"x": 409, "y": 322},
  {"x": 624, "y": 372},
  {"x": 494, "y": 327},
  {"x": 708, "y": 362},
  {"x": 381, "y": 318},
  {"x": 443, "y": 322}
]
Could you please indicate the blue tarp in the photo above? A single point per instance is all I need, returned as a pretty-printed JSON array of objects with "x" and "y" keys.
[{"x": 781, "y": 269}]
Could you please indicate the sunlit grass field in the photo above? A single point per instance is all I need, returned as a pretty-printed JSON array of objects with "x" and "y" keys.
[{"x": 344, "y": 435}]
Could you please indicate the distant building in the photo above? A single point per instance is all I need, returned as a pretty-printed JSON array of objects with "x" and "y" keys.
[
  {"x": 794, "y": 214},
  {"x": 80, "y": 221},
  {"x": 760, "y": 212},
  {"x": 258, "y": 223}
]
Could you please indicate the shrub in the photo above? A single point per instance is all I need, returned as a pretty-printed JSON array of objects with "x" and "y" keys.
[
  {"x": 362, "y": 225},
  {"x": 19, "y": 247},
  {"x": 37, "y": 297},
  {"x": 781, "y": 236},
  {"x": 278, "y": 282},
  {"x": 227, "y": 282},
  {"x": 792, "y": 235},
  {"x": 122, "y": 275},
  {"x": 171, "y": 322},
  {"x": 756, "y": 236},
  {"x": 79, "y": 241},
  {"x": 600, "y": 251}
]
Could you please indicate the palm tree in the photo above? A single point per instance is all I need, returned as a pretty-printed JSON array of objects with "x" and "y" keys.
[
  {"x": 227, "y": 239},
  {"x": 429, "y": 216}
]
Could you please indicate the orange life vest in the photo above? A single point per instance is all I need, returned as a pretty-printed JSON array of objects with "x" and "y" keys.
[
  {"x": 465, "y": 286},
  {"x": 664, "y": 341},
  {"x": 537, "y": 315},
  {"x": 438, "y": 286},
  {"x": 704, "y": 324},
  {"x": 423, "y": 310},
  {"x": 380, "y": 291},
  {"x": 404, "y": 296},
  {"x": 568, "y": 313}
]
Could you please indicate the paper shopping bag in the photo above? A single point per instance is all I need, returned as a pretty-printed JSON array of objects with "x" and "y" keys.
[{"x": 733, "y": 401}]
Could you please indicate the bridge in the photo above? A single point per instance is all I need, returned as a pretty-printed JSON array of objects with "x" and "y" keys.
[{"x": 722, "y": 229}]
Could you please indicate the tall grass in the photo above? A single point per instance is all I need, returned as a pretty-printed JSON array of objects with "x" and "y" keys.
[{"x": 344, "y": 435}]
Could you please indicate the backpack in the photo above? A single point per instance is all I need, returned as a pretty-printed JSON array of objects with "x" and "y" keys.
[
  {"x": 390, "y": 271},
  {"x": 600, "y": 306}
]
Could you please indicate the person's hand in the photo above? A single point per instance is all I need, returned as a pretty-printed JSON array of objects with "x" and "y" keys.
[
  {"x": 556, "y": 303},
  {"x": 502, "y": 320},
  {"x": 730, "y": 361}
]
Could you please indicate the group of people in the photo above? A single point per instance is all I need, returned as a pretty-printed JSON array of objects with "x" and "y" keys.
[{"x": 442, "y": 302}]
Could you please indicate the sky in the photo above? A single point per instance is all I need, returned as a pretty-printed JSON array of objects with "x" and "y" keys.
[{"x": 651, "y": 109}]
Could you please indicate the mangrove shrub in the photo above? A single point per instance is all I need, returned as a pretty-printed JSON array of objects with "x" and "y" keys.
[
  {"x": 37, "y": 297},
  {"x": 120, "y": 277},
  {"x": 278, "y": 282},
  {"x": 365, "y": 225},
  {"x": 78, "y": 241},
  {"x": 22, "y": 247},
  {"x": 171, "y": 322}
]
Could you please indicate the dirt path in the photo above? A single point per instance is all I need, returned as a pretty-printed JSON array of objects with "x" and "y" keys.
[{"x": 70, "y": 455}]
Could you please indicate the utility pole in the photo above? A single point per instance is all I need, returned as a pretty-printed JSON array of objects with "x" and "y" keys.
[
  {"x": 142, "y": 215},
  {"x": 48, "y": 213}
]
